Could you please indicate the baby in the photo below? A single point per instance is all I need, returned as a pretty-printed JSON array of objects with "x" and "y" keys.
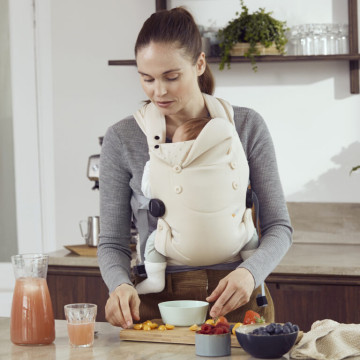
[{"x": 155, "y": 263}]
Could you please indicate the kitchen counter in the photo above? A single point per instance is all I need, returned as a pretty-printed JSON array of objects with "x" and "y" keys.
[
  {"x": 302, "y": 258},
  {"x": 107, "y": 345}
]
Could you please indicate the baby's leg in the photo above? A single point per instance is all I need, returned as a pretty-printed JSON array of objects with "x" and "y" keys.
[{"x": 155, "y": 266}]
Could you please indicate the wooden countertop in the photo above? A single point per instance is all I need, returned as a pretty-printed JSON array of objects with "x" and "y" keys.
[
  {"x": 107, "y": 345},
  {"x": 302, "y": 258}
]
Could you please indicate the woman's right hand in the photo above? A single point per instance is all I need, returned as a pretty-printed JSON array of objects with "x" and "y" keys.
[{"x": 123, "y": 306}]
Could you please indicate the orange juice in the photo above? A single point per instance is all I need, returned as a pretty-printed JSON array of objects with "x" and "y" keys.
[
  {"x": 81, "y": 333},
  {"x": 32, "y": 318}
]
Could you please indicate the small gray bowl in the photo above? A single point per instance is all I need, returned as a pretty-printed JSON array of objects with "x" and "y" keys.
[{"x": 212, "y": 344}]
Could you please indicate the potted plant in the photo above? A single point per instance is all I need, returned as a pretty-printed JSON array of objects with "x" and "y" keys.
[{"x": 258, "y": 29}]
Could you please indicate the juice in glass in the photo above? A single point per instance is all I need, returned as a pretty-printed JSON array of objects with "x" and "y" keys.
[
  {"x": 81, "y": 323},
  {"x": 81, "y": 334},
  {"x": 32, "y": 319}
]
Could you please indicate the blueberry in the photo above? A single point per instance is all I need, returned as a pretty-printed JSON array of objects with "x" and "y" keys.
[
  {"x": 270, "y": 328},
  {"x": 289, "y": 324},
  {"x": 278, "y": 330},
  {"x": 286, "y": 329},
  {"x": 255, "y": 332},
  {"x": 295, "y": 328}
]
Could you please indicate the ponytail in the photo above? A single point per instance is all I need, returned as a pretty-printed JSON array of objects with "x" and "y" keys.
[{"x": 206, "y": 81}]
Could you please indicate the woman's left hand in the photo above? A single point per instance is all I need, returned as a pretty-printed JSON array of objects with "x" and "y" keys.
[{"x": 233, "y": 291}]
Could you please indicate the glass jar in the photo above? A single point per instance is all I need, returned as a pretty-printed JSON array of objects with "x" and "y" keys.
[{"x": 32, "y": 318}]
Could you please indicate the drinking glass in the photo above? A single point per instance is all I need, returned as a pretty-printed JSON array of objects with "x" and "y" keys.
[
  {"x": 32, "y": 318},
  {"x": 81, "y": 323}
]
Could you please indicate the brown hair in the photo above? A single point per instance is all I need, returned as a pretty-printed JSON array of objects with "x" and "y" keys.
[
  {"x": 176, "y": 26},
  {"x": 192, "y": 127}
]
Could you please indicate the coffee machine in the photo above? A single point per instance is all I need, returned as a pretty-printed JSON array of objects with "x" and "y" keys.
[
  {"x": 93, "y": 168},
  {"x": 93, "y": 172}
]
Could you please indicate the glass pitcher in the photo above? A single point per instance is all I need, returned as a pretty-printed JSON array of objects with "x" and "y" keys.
[{"x": 32, "y": 318}]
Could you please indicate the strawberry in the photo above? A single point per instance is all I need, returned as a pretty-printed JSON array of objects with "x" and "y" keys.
[{"x": 252, "y": 317}]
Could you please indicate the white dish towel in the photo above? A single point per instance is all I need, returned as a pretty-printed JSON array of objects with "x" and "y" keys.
[{"x": 328, "y": 340}]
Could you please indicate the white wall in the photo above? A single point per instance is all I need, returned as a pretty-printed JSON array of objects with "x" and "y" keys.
[{"x": 313, "y": 118}]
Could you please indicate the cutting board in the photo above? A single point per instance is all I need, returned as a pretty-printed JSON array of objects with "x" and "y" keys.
[
  {"x": 86, "y": 250},
  {"x": 82, "y": 250},
  {"x": 179, "y": 335}
]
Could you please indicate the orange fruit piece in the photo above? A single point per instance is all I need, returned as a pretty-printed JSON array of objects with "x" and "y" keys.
[
  {"x": 210, "y": 322},
  {"x": 194, "y": 327},
  {"x": 169, "y": 327},
  {"x": 138, "y": 326},
  {"x": 146, "y": 328},
  {"x": 235, "y": 327},
  {"x": 162, "y": 328},
  {"x": 221, "y": 319}
]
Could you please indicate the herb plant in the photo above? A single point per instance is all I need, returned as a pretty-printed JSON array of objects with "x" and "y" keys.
[{"x": 258, "y": 27}]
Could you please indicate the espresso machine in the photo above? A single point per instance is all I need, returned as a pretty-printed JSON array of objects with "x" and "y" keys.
[
  {"x": 93, "y": 168},
  {"x": 93, "y": 172}
]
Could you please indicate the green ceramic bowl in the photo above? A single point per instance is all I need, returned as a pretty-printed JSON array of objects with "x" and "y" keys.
[{"x": 183, "y": 312}]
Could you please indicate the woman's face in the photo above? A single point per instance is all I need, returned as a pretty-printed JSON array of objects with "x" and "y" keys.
[{"x": 169, "y": 78}]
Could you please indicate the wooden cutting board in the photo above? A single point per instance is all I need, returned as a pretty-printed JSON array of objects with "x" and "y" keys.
[
  {"x": 179, "y": 335},
  {"x": 82, "y": 250}
]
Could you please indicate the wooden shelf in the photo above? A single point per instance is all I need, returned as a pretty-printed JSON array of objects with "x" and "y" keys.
[
  {"x": 353, "y": 57},
  {"x": 265, "y": 58}
]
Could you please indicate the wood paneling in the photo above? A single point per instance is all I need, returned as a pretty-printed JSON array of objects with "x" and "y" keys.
[
  {"x": 305, "y": 299},
  {"x": 69, "y": 285}
]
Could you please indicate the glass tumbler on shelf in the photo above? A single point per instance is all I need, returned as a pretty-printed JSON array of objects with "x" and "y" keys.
[{"x": 32, "y": 318}]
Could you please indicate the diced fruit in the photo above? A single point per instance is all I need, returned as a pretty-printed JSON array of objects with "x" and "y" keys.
[
  {"x": 194, "y": 327},
  {"x": 221, "y": 319},
  {"x": 146, "y": 328},
  {"x": 252, "y": 317},
  {"x": 210, "y": 329},
  {"x": 169, "y": 327},
  {"x": 210, "y": 321},
  {"x": 153, "y": 325},
  {"x": 147, "y": 322},
  {"x": 138, "y": 326},
  {"x": 162, "y": 328},
  {"x": 235, "y": 327}
]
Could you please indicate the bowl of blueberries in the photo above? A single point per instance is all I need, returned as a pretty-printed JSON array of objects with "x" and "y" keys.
[{"x": 267, "y": 341}]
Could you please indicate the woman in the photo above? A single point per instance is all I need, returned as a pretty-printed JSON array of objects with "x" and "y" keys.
[{"x": 174, "y": 75}]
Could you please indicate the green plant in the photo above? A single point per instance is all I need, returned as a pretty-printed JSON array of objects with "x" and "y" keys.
[
  {"x": 258, "y": 27},
  {"x": 355, "y": 168}
]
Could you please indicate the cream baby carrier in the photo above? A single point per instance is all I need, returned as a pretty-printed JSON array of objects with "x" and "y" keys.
[{"x": 203, "y": 184}]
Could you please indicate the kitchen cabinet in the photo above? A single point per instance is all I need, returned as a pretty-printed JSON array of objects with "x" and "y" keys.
[
  {"x": 303, "y": 299},
  {"x": 299, "y": 298},
  {"x": 76, "y": 284},
  {"x": 353, "y": 57}
]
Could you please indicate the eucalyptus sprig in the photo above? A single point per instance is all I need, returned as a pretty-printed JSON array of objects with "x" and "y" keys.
[{"x": 258, "y": 27}]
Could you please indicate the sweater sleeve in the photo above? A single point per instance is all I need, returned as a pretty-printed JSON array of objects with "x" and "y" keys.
[
  {"x": 276, "y": 230},
  {"x": 114, "y": 254}
]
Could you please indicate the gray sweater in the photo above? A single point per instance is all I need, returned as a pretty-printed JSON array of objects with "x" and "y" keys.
[{"x": 123, "y": 156}]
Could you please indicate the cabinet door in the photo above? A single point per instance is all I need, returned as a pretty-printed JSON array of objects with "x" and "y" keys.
[
  {"x": 76, "y": 286},
  {"x": 303, "y": 304}
]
